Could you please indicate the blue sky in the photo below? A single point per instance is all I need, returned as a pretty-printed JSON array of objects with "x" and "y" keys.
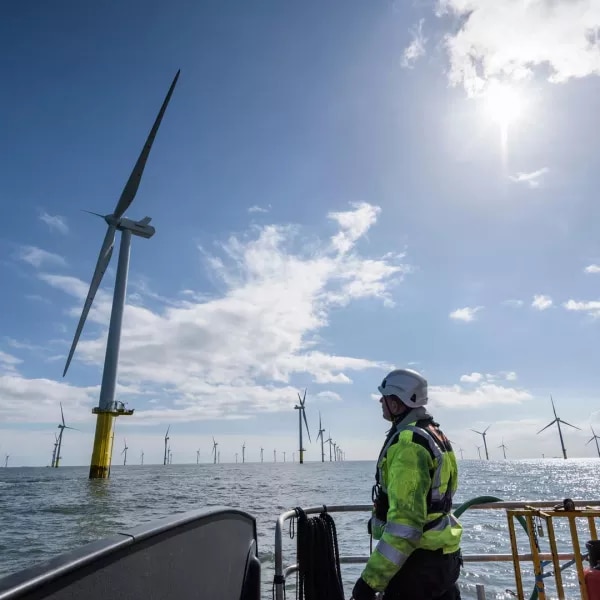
[{"x": 337, "y": 189}]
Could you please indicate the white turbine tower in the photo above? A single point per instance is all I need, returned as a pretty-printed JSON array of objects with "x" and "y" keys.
[
  {"x": 124, "y": 451},
  {"x": 302, "y": 414},
  {"x": 62, "y": 426},
  {"x": 108, "y": 408},
  {"x": 321, "y": 432}
]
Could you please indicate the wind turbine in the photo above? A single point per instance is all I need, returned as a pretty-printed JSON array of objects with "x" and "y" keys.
[
  {"x": 170, "y": 456},
  {"x": 483, "y": 434},
  {"x": 198, "y": 456},
  {"x": 62, "y": 428},
  {"x": 503, "y": 448},
  {"x": 167, "y": 438},
  {"x": 6, "y": 461},
  {"x": 293, "y": 457},
  {"x": 142, "y": 457},
  {"x": 302, "y": 413},
  {"x": 320, "y": 435},
  {"x": 214, "y": 450},
  {"x": 262, "y": 450},
  {"x": 244, "y": 452},
  {"x": 124, "y": 451},
  {"x": 107, "y": 408},
  {"x": 479, "y": 451},
  {"x": 236, "y": 455},
  {"x": 54, "y": 450},
  {"x": 594, "y": 438},
  {"x": 274, "y": 455},
  {"x": 558, "y": 421},
  {"x": 334, "y": 451},
  {"x": 284, "y": 456},
  {"x": 330, "y": 441}
]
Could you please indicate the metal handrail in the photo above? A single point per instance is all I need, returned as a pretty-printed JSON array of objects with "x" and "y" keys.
[{"x": 282, "y": 573}]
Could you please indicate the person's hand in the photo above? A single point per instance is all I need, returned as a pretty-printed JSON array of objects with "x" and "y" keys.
[{"x": 362, "y": 591}]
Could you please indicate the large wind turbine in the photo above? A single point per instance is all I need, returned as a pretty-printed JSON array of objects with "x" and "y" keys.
[
  {"x": 483, "y": 434},
  {"x": 167, "y": 438},
  {"x": 62, "y": 426},
  {"x": 302, "y": 414},
  {"x": 6, "y": 461},
  {"x": 262, "y": 450},
  {"x": 558, "y": 421},
  {"x": 198, "y": 456},
  {"x": 330, "y": 441},
  {"x": 142, "y": 457},
  {"x": 594, "y": 438},
  {"x": 321, "y": 432},
  {"x": 108, "y": 408},
  {"x": 244, "y": 452}
]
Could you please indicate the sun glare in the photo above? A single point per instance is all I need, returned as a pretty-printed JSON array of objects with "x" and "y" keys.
[{"x": 503, "y": 104}]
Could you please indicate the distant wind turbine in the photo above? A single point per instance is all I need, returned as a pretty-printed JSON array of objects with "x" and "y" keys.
[
  {"x": 198, "y": 456},
  {"x": 558, "y": 421},
  {"x": 503, "y": 448},
  {"x": 330, "y": 442},
  {"x": 334, "y": 450},
  {"x": 321, "y": 432},
  {"x": 274, "y": 455},
  {"x": 479, "y": 451},
  {"x": 302, "y": 414},
  {"x": 142, "y": 457},
  {"x": 293, "y": 457},
  {"x": 124, "y": 451},
  {"x": 262, "y": 451},
  {"x": 594, "y": 438},
  {"x": 461, "y": 453},
  {"x": 167, "y": 438},
  {"x": 236, "y": 455},
  {"x": 244, "y": 452},
  {"x": 108, "y": 409},
  {"x": 6, "y": 461},
  {"x": 284, "y": 456},
  {"x": 483, "y": 434},
  {"x": 214, "y": 451},
  {"x": 62, "y": 428}
]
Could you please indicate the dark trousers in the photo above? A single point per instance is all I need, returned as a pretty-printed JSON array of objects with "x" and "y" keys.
[{"x": 426, "y": 575}]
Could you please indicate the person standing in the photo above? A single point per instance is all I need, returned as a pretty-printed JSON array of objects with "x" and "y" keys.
[{"x": 417, "y": 556}]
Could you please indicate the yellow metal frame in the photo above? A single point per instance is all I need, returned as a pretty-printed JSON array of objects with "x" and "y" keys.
[{"x": 530, "y": 514}]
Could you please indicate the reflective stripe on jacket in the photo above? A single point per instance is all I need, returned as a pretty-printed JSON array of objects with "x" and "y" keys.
[{"x": 418, "y": 471}]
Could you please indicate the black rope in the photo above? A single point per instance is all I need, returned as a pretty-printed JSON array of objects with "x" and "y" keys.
[{"x": 319, "y": 573}]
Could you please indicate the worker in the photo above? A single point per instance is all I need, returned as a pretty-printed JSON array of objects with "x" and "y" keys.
[{"x": 417, "y": 556}]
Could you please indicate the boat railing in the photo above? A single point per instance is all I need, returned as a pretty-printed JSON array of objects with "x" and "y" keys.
[{"x": 283, "y": 572}]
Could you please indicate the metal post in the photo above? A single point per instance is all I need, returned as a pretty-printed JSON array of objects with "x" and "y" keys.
[
  {"x": 480, "y": 592},
  {"x": 111, "y": 359},
  {"x": 515, "y": 554},
  {"x": 578, "y": 559},
  {"x": 535, "y": 553},
  {"x": 560, "y": 590}
]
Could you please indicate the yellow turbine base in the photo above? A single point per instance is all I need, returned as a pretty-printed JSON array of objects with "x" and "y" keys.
[{"x": 103, "y": 441}]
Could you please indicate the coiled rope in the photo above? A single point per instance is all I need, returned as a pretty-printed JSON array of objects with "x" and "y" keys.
[{"x": 319, "y": 573}]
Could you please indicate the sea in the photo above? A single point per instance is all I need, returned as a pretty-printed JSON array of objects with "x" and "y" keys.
[{"x": 44, "y": 511}]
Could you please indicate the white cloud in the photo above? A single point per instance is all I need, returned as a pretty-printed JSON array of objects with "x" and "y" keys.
[
  {"x": 533, "y": 179},
  {"x": 329, "y": 396},
  {"x": 38, "y": 257},
  {"x": 55, "y": 222},
  {"x": 467, "y": 314},
  {"x": 591, "y": 307},
  {"x": 513, "y": 303},
  {"x": 510, "y": 39},
  {"x": 510, "y": 375},
  {"x": 592, "y": 269},
  {"x": 482, "y": 394},
  {"x": 472, "y": 378},
  {"x": 353, "y": 224},
  {"x": 235, "y": 355},
  {"x": 259, "y": 209},
  {"x": 541, "y": 302},
  {"x": 416, "y": 48}
]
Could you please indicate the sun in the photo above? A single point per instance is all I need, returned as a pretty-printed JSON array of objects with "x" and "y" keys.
[{"x": 503, "y": 104}]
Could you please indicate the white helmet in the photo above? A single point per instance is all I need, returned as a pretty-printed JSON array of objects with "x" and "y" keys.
[{"x": 406, "y": 384}]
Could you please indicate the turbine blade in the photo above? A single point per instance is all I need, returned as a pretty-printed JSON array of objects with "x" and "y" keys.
[
  {"x": 101, "y": 265},
  {"x": 479, "y": 432},
  {"x": 553, "y": 407},
  {"x": 73, "y": 428},
  {"x": 569, "y": 424},
  {"x": 485, "y": 430},
  {"x": 590, "y": 440},
  {"x": 131, "y": 187},
  {"x": 306, "y": 423},
  {"x": 549, "y": 424},
  {"x": 62, "y": 414}
]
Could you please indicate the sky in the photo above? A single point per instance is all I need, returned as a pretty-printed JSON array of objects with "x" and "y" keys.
[{"x": 338, "y": 189}]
